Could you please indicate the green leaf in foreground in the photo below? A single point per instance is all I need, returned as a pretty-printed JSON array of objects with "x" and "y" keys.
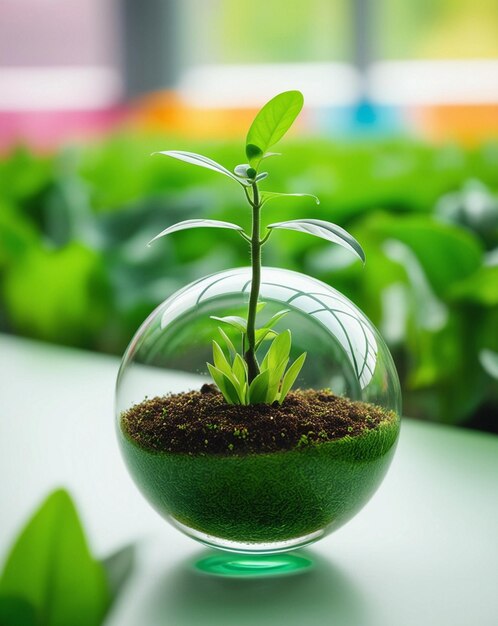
[
  {"x": 15, "y": 611},
  {"x": 271, "y": 124},
  {"x": 325, "y": 230},
  {"x": 51, "y": 569}
]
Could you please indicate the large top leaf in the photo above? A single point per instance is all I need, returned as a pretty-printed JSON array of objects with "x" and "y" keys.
[
  {"x": 201, "y": 161},
  {"x": 196, "y": 224},
  {"x": 271, "y": 124},
  {"x": 325, "y": 230},
  {"x": 51, "y": 568}
]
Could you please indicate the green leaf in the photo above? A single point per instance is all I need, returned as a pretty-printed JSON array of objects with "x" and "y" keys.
[
  {"x": 291, "y": 375},
  {"x": 240, "y": 373},
  {"x": 71, "y": 291},
  {"x": 227, "y": 340},
  {"x": 271, "y": 124},
  {"x": 196, "y": 224},
  {"x": 267, "y": 196},
  {"x": 480, "y": 287},
  {"x": 263, "y": 334},
  {"x": 15, "y": 611},
  {"x": 276, "y": 318},
  {"x": 51, "y": 568},
  {"x": 260, "y": 306},
  {"x": 224, "y": 384},
  {"x": 233, "y": 320},
  {"x": 201, "y": 161},
  {"x": 239, "y": 369},
  {"x": 259, "y": 388},
  {"x": 325, "y": 230},
  {"x": 220, "y": 361},
  {"x": 447, "y": 254},
  {"x": 274, "y": 382},
  {"x": 267, "y": 155},
  {"x": 278, "y": 351}
]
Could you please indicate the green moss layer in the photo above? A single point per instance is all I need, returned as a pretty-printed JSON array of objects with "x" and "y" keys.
[{"x": 262, "y": 498}]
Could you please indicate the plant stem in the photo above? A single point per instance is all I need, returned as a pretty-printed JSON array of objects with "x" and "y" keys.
[{"x": 250, "y": 354}]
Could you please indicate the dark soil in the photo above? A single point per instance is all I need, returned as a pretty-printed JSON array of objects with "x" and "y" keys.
[{"x": 199, "y": 422}]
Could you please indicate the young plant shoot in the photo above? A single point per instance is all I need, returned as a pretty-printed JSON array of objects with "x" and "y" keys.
[{"x": 240, "y": 376}]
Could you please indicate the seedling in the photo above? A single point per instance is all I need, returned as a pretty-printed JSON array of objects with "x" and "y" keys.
[{"x": 239, "y": 376}]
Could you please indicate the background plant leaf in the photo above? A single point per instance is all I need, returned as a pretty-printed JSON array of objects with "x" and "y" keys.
[{"x": 51, "y": 568}]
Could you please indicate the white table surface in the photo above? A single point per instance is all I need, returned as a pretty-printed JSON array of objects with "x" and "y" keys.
[{"x": 424, "y": 551}]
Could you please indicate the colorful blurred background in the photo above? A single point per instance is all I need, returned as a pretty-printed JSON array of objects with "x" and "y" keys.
[{"x": 399, "y": 139}]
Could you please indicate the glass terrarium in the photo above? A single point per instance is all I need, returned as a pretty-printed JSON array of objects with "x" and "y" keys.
[
  {"x": 258, "y": 409},
  {"x": 274, "y": 501}
]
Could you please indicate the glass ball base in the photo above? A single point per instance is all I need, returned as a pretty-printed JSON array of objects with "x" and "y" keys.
[
  {"x": 261, "y": 503},
  {"x": 239, "y": 547}
]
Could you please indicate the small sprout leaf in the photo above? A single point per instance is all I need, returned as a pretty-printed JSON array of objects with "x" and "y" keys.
[
  {"x": 241, "y": 170},
  {"x": 325, "y": 230},
  {"x": 253, "y": 152},
  {"x": 227, "y": 340},
  {"x": 220, "y": 360},
  {"x": 276, "y": 318},
  {"x": 201, "y": 161},
  {"x": 196, "y": 224},
  {"x": 271, "y": 124},
  {"x": 240, "y": 370},
  {"x": 261, "y": 176},
  {"x": 259, "y": 388},
  {"x": 278, "y": 351},
  {"x": 274, "y": 382},
  {"x": 224, "y": 384},
  {"x": 244, "y": 170},
  {"x": 263, "y": 334},
  {"x": 233, "y": 320},
  {"x": 291, "y": 375}
]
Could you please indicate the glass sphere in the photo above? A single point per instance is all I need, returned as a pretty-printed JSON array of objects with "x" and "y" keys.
[{"x": 274, "y": 501}]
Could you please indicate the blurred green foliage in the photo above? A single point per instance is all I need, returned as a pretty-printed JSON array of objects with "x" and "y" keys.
[
  {"x": 75, "y": 269},
  {"x": 50, "y": 578}
]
